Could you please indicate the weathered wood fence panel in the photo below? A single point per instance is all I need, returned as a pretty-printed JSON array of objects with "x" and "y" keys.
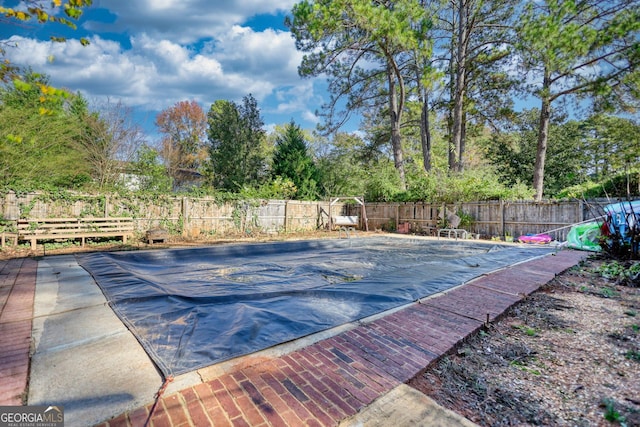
[
  {"x": 206, "y": 217},
  {"x": 382, "y": 216},
  {"x": 302, "y": 215},
  {"x": 193, "y": 217},
  {"x": 488, "y": 218},
  {"x": 166, "y": 212}
]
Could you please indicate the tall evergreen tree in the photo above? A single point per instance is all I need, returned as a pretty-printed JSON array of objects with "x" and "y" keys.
[
  {"x": 291, "y": 160},
  {"x": 473, "y": 39},
  {"x": 236, "y": 140}
]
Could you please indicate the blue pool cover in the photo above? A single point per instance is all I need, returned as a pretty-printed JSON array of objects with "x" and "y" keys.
[{"x": 191, "y": 308}]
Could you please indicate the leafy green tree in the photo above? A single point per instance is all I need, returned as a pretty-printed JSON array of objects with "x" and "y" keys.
[
  {"x": 579, "y": 49},
  {"x": 342, "y": 166},
  {"x": 35, "y": 11},
  {"x": 32, "y": 90},
  {"x": 38, "y": 150},
  {"x": 611, "y": 152},
  {"x": 291, "y": 160},
  {"x": 151, "y": 174},
  {"x": 611, "y": 144},
  {"x": 381, "y": 183},
  {"x": 237, "y": 140}
]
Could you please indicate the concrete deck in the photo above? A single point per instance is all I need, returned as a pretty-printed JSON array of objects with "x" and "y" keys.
[{"x": 84, "y": 359}]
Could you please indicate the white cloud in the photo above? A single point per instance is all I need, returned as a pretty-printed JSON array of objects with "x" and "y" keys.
[
  {"x": 159, "y": 52},
  {"x": 263, "y": 53},
  {"x": 184, "y": 21},
  {"x": 310, "y": 116}
]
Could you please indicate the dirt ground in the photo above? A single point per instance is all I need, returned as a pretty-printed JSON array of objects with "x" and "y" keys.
[{"x": 569, "y": 355}]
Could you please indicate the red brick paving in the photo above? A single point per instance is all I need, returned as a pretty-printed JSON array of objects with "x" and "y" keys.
[
  {"x": 17, "y": 290},
  {"x": 318, "y": 385}
]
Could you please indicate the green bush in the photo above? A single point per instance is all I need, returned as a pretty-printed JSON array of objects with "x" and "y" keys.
[
  {"x": 472, "y": 185},
  {"x": 614, "y": 187}
]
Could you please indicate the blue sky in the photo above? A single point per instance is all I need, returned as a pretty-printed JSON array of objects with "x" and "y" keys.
[{"x": 150, "y": 54}]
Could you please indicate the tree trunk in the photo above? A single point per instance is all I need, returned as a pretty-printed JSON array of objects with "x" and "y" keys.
[
  {"x": 452, "y": 91},
  {"x": 463, "y": 141},
  {"x": 425, "y": 134},
  {"x": 459, "y": 89},
  {"x": 396, "y": 138},
  {"x": 543, "y": 137},
  {"x": 425, "y": 127}
]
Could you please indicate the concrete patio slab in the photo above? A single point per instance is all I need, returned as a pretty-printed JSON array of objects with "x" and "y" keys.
[
  {"x": 92, "y": 380},
  {"x": 84, "y": 358},
  {"x": 405, "y": 406}
]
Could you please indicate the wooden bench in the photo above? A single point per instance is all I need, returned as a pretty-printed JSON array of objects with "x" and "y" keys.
[
  {"x": 6, "y": 235},
  {"x": 73, "y": 228}
]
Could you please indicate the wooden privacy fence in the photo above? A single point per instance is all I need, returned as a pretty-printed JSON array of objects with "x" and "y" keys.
[
  {"x": 190, "y": 217},
  {"x": 488, "y": 218},
  {"x": 193, "y": 217}
]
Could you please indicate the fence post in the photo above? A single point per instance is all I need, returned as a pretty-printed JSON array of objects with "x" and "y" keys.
[
  {"x": 580, "y": 211},
  {"x": 186, "y": 230},
  {"x": 502, "y": 218},
  {"x": 286, "y": 215},
  {"x": 397, "y": 216}
]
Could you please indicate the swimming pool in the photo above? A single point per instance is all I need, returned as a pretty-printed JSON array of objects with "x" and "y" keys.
[{"x": 194, "y": 307}]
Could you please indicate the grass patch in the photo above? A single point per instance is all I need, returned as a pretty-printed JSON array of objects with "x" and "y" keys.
[
  {"x": 523, "y": 367},
  {"x": 633, "y": 355},
  {"x": 611, "y": 414},
  {"x": 607, "y": 292},
  {"x": 528, "y": 331}
]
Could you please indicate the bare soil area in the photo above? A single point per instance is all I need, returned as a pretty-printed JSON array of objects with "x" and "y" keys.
[{"x": 568, "y": 355}]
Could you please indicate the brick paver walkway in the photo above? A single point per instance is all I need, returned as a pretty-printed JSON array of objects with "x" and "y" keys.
[
  {"x": 318, "y": 385},
  {"x": 17, "y": 290}
]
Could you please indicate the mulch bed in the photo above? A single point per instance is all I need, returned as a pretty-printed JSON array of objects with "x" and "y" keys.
[{"x": 567, "y": 355}]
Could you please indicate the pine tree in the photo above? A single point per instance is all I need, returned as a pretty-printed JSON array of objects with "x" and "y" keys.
[{"x": 292, "y": 160}]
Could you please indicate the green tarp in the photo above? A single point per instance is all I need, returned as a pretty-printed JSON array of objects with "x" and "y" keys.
[{"x": 585, "y": 237}]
